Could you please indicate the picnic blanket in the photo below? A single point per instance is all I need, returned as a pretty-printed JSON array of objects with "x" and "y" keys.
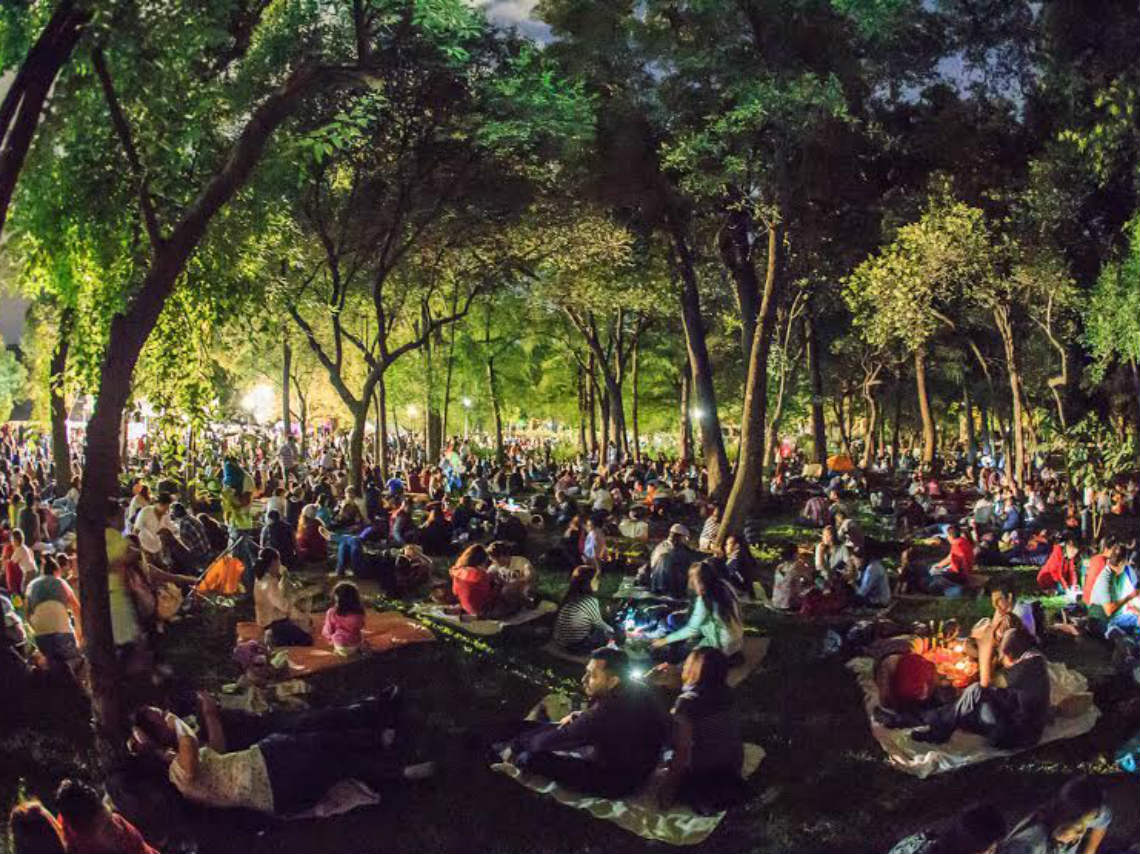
[
  {"x": 638, "y": 813},
  {"x": 627, "y": 590},
  {"x": 485, "y": 628},
  {"x": 383, "y": 631},
  {"x": 1066, "y": 687},
  {"x": 344, "y": 796}
]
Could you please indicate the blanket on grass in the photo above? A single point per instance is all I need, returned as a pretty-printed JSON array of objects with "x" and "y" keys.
[
  {"x": 1074, "y": 713},
  {"x": 638, "y": 813},
  {"x": 383, "y": 631},
  {"x": 485, "y": 628}
]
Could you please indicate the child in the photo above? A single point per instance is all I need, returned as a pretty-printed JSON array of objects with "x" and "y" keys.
[{"x": 344, "y": 621}]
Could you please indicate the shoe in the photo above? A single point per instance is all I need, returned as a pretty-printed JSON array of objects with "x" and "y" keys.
[{"x": 930, "y": 735}]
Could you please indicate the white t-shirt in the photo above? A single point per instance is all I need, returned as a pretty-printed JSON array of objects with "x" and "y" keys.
[
  {"x": 149, "y": 520},
  {"x": 22, "y": 556}
]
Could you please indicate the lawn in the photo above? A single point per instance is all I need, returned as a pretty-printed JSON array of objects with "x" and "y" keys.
[{"x": 825, "y": 785}]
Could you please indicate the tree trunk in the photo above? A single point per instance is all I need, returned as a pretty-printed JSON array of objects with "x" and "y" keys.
[
  {"x": 592, "y": 391},
  {"x": 605, "y": 399},
  {"x": 496, "y": 411},
  {"x": 897, "y": 421},
  {"x": 703, "y": 390},
  {"x": 971, "y": 438},
  {"x": 450, "y": 371},
  {"x": 736, "y": 255},
  {"x": 1005, "y": 328},
  {"x": 128, "y": 334},
  {"x": 818, "y": 426},
  {"x": 583, "y": 448},
  {"x": 434, "y": 427},
  {"x": 356, "y": 445},
  {"x": 686, "y": 439},
  {"x": 286, "y": 370},
  {"x": 382, "y": 428},
  {"x": 840, "y": 405},
  {"x": 872, "y": 422},
  {"x": 24, "y": 102},
  {"x": 747, "y": 484},
  {"x": 633, "y": 411},
  {"x": 60, "y": 450},
  {"x": 929, "y": 437}
]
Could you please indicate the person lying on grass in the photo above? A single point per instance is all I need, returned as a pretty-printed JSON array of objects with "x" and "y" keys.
[
  {"x": 1010, "y": 716},
  {"x": 281, "y": 774},
  {"x": 608, "y": 749}
]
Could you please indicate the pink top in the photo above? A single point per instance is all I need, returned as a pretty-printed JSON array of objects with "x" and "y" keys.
[{"x": 343, "y": 630}]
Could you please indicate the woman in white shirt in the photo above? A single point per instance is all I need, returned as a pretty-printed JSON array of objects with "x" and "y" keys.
[{"x": 284, "y": 623}]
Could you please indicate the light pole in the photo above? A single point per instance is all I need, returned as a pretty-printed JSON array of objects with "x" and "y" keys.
[{"x": 466, "y": 412}]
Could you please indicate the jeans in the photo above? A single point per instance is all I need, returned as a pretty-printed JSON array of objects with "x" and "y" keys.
[
  {"x": 302, "y": 766},
  {"x": 984, "y": 711},
  {"x": 574, "y": 772},
  {"x": 348, "y": 553},
  {"x": 243, "y": 729},
  {"x": 1125, "y": 621}
]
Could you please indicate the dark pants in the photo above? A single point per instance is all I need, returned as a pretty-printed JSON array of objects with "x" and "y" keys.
[
  {"x": 983, "y": 711},
  {"x": 243, "y": 729},
  {"x": 303, "y": 766},
  {"x": 287, "y": 633}
]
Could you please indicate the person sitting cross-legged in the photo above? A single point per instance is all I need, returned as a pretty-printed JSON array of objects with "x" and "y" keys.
[
  {"x": 1012, "y": 716},
  {"x": 620, "y": 734},
  {"x": 579, "y": 626}
]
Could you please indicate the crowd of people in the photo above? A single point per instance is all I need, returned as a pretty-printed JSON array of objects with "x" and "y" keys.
[{"x": 278, "y": 514}]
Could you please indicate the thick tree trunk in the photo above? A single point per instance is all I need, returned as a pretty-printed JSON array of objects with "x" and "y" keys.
[
  {"x": 703, "y": 390},
  {"x": 746, "y": 486},
  {"x": 592, "y": 393},
  {"x": 1017, "y": 423},
  {"x": 896, "y": 423},
  {"x": 605, "y": 399},
  {"x": 286, "y": 371},
  {"x": 871, "y": 426},
  {"x": 60, "y": 450},
  {"x": 929, "y": 437},
  {"x": 818, "y": 426},
  {"x": 496, "y": 409},
  {"x": 24, "y": 102},
  {"x": 971, "y": 437},
  {"x": 583, "y": 448},
  {"x": 434, "y": 426},
  {"x": 356, "y": 444}
]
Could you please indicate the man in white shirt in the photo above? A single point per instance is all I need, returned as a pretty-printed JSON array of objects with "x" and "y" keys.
[
  {"x": 634, "y": 527},
  {"x": 155, "y": 517}
]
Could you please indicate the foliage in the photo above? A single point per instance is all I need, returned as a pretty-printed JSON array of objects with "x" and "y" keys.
[
  {"x": 1112, "y": 319},
  {"x": 12, "y": 378}
]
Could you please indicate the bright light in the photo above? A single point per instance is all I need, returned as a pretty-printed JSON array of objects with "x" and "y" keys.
[
  {"x": 697, "y": 413},
  {"x": 413, "y": 410},
  {"x": 260, "y": 402},
  {"x": 467, "y": 402}
]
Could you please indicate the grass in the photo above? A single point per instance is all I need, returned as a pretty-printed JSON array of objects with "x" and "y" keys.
[{"x": 825, "y": 785}]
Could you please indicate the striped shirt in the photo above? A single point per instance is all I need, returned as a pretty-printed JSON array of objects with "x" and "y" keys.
[{"x": 577, "y": 618}]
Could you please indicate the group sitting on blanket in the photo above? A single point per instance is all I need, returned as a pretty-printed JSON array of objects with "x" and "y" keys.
[
  {"x": 611, "y": 747},
  {"x": 843, "y": 575}
]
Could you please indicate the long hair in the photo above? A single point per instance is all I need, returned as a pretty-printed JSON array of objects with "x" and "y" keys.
[
  {"x": 473, "y": 555},
  {"x": 580, "y": 580},
  {"x": 719, "y": 597},
  {"x": 265, "y": 559},
  {"x": 712, "y": 669}
]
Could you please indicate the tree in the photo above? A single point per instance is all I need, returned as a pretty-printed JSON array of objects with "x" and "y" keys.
[
  {"x": 12, "y": 378},
  {"x": 1112, "y": 318}
]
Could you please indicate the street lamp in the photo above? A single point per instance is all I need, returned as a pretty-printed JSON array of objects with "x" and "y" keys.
[{"x": 697, "y": 413}]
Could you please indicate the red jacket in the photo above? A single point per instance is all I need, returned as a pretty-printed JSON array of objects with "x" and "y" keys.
[
  {"x": 472, "y": 587},
  {"x": 1058, "y": 569}
]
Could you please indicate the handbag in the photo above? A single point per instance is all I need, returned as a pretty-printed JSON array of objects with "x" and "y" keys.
[{"x": 141, "y": 593}]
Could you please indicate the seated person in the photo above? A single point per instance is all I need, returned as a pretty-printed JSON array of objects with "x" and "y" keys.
[
  {"x": 815, "y": 512},
  {"x": 1074, "y": 822},
  {"x": 905, "y": 679},
  {"x": 1059, "y": 574},
  {"x": 634, "y": 527},
  {"x": 951, "y": 575},
  {"x": 282, "y": 773},
  {"x": 344, "y": 621},
  {"x": 508, "y": 527},
  {"x": 1115, "y": 592},
  {"x": 312, "y": 538},
  {"x": 715, "y": 619},
  {"x": 847, "y": 530},
  {"x": 669, "y": 564},
  {"x": 595, "y": 549},
  {"x": 708, "y": 751},
  {"x": 1095, "y": 565},
  {"x": 475, "y": 588},
  {"x": 579, "y": 627},
  {"x": 283, "y": 623},
  {"x": 402, "y": 530},
  {"x": 620, "y": 735},
  {"x": 191, "y": 534},
  {"x": 792, "y": 579},
  {"x": 87, "y": 824},
  {"x": 434, "y": 535},
  {"x": 1010, "y": 716},
  {"x": 975, "y": 830},
  {"x": 277, "y": 535},
  {"x": 353, "y": 559},
  {"x": 868, "y": 579},
  {"x": 461, "y": 516},
  {"x": 514, "y": 573},
  {"x": 831, "y": 555},
  {"x": 565, "y": 508},
  {"x": 710, "y": 530},
  {"x": 740, "y": 566}
]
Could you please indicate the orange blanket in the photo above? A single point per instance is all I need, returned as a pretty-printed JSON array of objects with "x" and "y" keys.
[{"x": 382, "y": 632}]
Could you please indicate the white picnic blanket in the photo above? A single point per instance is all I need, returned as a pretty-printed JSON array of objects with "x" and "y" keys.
[
  {"x": 345, "y": 796},
  {"x": 638, "y": 813},
  {"x": 965, "y": 748},
  {"x": 485, "y": 627}
]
